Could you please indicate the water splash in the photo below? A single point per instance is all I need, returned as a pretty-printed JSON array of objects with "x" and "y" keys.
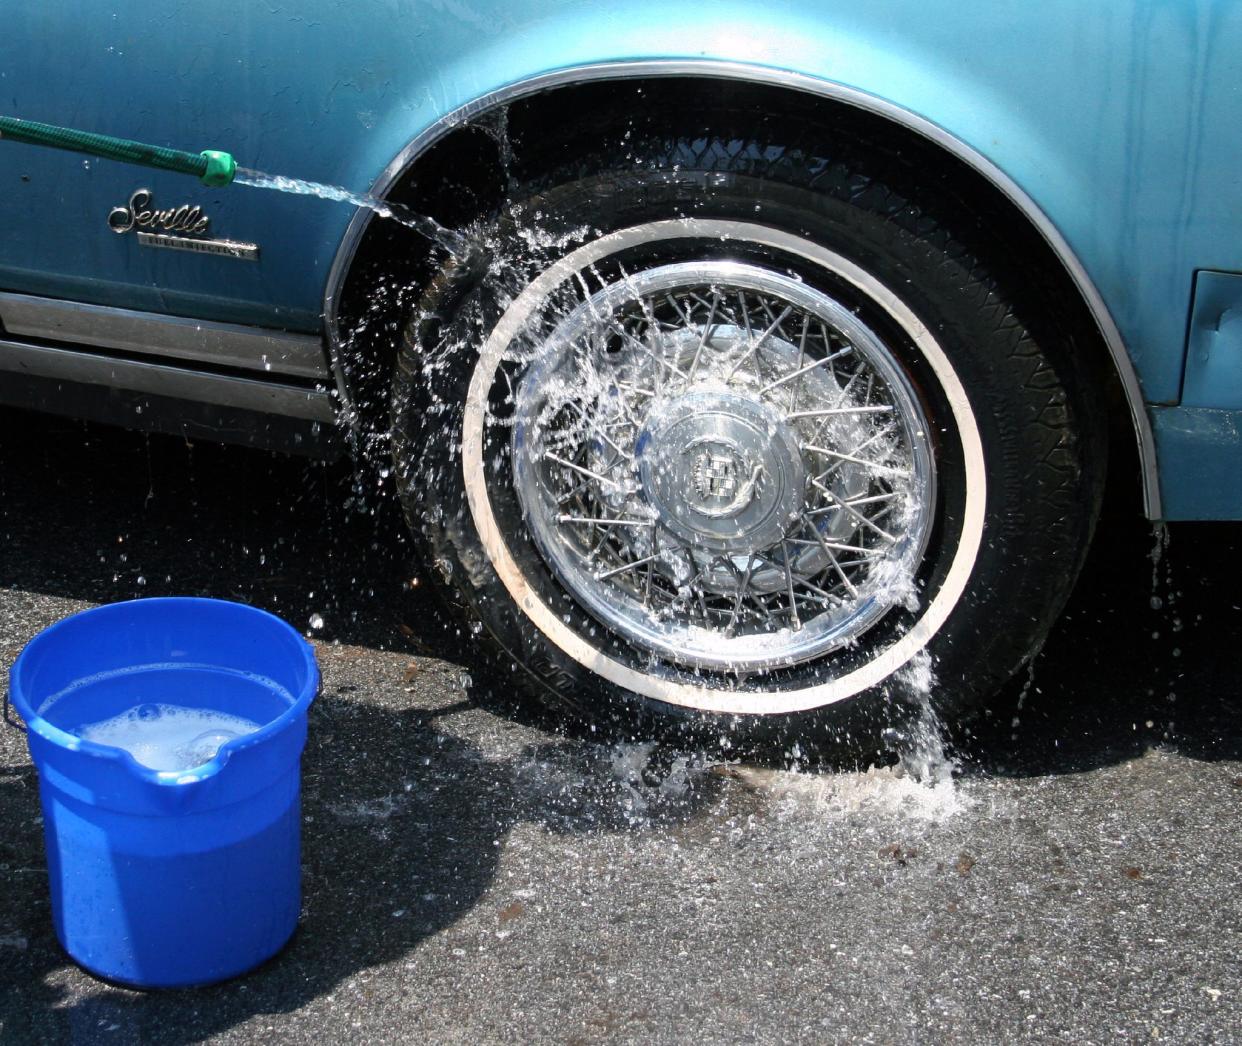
[
  {"x": 1165, "y": 605},
  {"x": 921, "y": 786},
  {"x": 496, "y": 126},
  {"x": 1160, "y": 537},
  {"x": 923, "y": 756},
  {"x": 453, "y": 242},
  {"x": 886, "y": 791}
]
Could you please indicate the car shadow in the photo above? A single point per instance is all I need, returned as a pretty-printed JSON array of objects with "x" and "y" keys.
[
  {"x": 1148, "y": 653},
  {"x": 406, "y": 821},
  {"x": 1145, "y": 653}
]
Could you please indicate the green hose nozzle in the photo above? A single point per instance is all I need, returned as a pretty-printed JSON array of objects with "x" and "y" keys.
[
  {"x": 221, "y": 167},
  {"x": 211, "y": 167}
]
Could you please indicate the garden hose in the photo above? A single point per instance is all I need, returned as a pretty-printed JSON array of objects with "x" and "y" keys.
[{"x": 212, "y": 167}]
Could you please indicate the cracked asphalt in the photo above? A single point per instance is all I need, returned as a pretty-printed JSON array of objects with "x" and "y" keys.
[{"x": 471, "y": 875}]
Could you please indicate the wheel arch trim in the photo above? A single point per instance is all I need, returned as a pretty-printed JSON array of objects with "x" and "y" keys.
[{"x": 806, "y": 84}]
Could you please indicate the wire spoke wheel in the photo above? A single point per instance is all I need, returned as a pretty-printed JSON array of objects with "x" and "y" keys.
[
  {"x": 785, "y": 464},
  {"x": 724, "y": 465}
]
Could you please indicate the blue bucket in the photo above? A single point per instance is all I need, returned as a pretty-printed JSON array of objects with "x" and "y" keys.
[{"x": 174, "y": 877}]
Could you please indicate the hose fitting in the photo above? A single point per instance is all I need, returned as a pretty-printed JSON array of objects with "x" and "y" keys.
[{"x": 221, "y": 168}]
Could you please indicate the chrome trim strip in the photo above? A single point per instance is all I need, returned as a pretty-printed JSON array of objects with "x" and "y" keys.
[
  {"x": 221, "y": 248},
  {"x": 159, "y": 379},
  {"x": 795, "y": 81},
  {"x": 225, "y": 344}
]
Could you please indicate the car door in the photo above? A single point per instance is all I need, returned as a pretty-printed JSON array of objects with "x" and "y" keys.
[{"x": 264, "y": 82}]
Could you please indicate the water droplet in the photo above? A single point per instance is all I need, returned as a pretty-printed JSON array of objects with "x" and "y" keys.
[{"x": 316, "y": 622}]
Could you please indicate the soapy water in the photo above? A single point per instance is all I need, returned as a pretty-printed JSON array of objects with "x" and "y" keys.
[
  {"x": 168, "y": 737},
  {"x": 920, "y": 785},
  {"x": 616, "y": 784},
  {"x": 641, "y": 784},
  {"x": 453, "y": 242}
]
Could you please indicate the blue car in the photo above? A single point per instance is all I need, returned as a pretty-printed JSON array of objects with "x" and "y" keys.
[{"x": 758, "y": 370}]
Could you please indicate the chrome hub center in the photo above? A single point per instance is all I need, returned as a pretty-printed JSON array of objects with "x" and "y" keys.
[
  {"x": 724, "y": 482},
  {"x": 722, "y": 470}
]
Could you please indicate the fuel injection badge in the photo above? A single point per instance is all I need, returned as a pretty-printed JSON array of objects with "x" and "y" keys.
[{"x": 177, "y": 228}]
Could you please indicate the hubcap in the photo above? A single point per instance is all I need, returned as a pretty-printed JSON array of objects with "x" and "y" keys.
[
  {"x": 722, "y": 471},
  {"x": 723, "y": 465}
]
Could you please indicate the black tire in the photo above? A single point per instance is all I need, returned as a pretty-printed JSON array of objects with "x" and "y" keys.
[{"x": 1025, "y": 493}]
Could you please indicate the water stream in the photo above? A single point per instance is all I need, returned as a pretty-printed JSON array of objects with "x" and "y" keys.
[
  {"x": 922, "y": 781},
  {"x": 453, "y": 242}
]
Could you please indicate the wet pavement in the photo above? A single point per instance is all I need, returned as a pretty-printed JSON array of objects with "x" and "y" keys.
[{"x": 471, "y": 876}]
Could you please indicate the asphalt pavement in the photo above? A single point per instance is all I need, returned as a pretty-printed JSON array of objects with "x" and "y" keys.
[{"x": 472, "y": 875}]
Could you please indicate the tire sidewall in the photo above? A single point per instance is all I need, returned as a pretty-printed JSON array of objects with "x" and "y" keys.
[{"x": 948, "y": 299}]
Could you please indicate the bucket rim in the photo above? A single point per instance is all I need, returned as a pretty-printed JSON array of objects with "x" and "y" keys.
[{"x": 67, "y": 740}]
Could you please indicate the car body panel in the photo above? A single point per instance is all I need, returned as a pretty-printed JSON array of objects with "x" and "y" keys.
[
  {"x": 1200, "y": 462},
  {"x": 1117, "y": 121}
]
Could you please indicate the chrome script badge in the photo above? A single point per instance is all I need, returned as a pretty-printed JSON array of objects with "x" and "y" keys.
[{"x": 139, "y": 216}]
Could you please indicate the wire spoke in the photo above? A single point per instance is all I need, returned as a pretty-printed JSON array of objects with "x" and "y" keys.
[
  {"x": 753, "y": 349},
  {"x": 627, "y": 566},
  {"x": 830, "y": 553},
  {"x": 707, "y": 333},
  {"x": 854, "y": 459},
  {"x": 833, "y": 412},
  {"x": 742, "y": 586},
  {"x": 793, "y": 603},
  {"x": 601, "y": 522},
  {"x": 802, "y": 371},
  {"x": 685, "y": 550},
  {"x": 579, "y": 468},
  {"x": 852, "y": 511}
]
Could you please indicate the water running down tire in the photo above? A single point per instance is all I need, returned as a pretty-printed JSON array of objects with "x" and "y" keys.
[{"x": 744, "y": 442}]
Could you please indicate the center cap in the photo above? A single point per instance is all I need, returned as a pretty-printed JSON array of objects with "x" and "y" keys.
[
  {"x": 722, "y": 471},
  {"x": 723, "y": 479}
]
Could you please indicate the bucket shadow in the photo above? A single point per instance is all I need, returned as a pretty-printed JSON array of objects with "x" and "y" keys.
[{"x": 404, "y": 827}]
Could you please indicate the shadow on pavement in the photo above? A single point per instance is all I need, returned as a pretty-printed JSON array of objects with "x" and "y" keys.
[
  {"x": 405, "y": 825},
  {"x": 96, "y": 515},
  {"x": 1148, "y": 652}
]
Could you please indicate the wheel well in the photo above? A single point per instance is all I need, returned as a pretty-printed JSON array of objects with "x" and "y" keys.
[{"x": 465, "y": 176}]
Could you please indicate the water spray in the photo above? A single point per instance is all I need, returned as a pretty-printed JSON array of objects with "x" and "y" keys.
[{"x": 217, "y": 169}]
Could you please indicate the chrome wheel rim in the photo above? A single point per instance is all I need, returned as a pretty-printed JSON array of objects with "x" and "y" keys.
[{"x": 723, "y": 465}]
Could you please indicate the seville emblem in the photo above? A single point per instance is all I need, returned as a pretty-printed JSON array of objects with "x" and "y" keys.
[{"x": 155, "y": 228}]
